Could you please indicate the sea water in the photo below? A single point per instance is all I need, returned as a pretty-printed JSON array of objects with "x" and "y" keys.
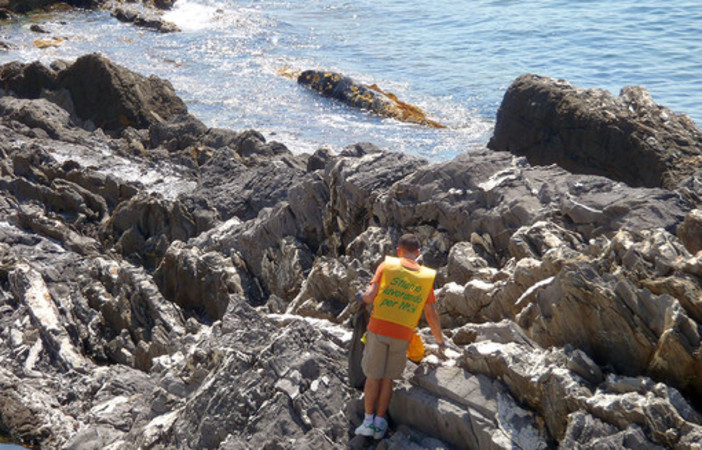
[{"x": 454, "y": 59}]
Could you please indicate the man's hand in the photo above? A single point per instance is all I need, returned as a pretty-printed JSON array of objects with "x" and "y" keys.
[
  {"x": 359, "y": 296},
  {"x": 447, "y": 350},
  {"x": 442, "y": 351}
]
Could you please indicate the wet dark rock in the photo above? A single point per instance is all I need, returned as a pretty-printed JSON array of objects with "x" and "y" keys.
[
  {"x": 164, "y": 4},
  {"x": 37, "y": 29},
  {"x": 252, "y": 146},
  {"x": 178, "y": 133},
  {"x": 144, "y": 19},
  {"x": 7, "y": 46},
  {"x": 218, "y": 138},
  {"x": 25, "y": 6},
  {"x": 27, "y": 80},
  {"x": 629, "y": 138},
  {"x": 114, "y": 97},
  {"x": 41, "y": 114},
  {"x": 319, "y": 159}
]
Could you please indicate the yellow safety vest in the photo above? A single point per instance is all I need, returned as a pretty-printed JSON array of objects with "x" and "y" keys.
[{"x": 402, "y": 293}]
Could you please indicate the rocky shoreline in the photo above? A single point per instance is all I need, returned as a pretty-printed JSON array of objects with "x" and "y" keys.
[
  {"x": 142, "y": 13},
  {"x": 168, "y": 285}
]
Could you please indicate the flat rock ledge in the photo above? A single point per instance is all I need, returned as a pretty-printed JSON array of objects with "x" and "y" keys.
[{"x": 164, "y": 284}]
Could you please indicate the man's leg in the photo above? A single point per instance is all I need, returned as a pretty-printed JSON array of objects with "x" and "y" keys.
[
  {"x": 370, "y": 398},
  {"x": 379, "y": 422},
  {"x": 371, "y": 393},
  {"x": 384, "y": 396}
]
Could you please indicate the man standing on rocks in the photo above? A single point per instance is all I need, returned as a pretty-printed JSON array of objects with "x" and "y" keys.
[{"x": 400, "y": 290}]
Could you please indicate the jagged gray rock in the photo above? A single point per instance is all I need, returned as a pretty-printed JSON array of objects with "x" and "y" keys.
[
  {"x": 544, "y": 380},
  {"x": 354, "y": 185}
]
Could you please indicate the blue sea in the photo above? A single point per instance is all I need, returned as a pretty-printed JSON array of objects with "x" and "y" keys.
[{"x": 454, "y": 59}]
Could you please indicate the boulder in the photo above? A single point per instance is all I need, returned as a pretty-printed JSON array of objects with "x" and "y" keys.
[
  {"x": 581, "y": 302},
  {"x": 537, "y": 239},
  {"x": 144, "y": 226},
  {"x": 27, "y": 80},
  {"x": 319, "y": 159},
  {"x": 28, "y": 286},
  {"x": 178, "y": 133},
  {"x": 137, "y": 321},
  {"x": 691, "y": 188},
  {"x": 464, "y": 264},
  {"x": 690, "y": 231},
  {"x": 328, "y": 291},
  {"x": 285, "y": 268},
  {"x": 629, "y": 138},
  {"x": 164, "y": 4},
  {"x": 201, "y": 284},
  {"x": 283, "y": 385},
  {"x": 114, "y": 97},
  {"x": 584, "y": 430}
]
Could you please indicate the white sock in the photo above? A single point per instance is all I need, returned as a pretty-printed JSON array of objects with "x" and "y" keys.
[
  {"x": 368, "y": 419},
  {"x": 380, "y": 422}
]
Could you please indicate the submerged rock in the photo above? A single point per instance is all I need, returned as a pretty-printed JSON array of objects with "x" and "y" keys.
[
  {"x": 145, "y": 19},
  {"x": 370, "y": 98}
]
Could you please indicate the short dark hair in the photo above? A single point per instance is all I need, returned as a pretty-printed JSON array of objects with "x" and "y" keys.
[{"x": 409, "y": 243}]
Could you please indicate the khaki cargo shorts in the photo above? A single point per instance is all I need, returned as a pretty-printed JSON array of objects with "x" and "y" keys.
[{"x": 384, "y": 357}]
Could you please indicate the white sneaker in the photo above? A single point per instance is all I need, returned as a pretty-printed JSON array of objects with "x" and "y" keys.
[
  {"x": 366, "y": 429},
  {"x": 380, "y": 427}
]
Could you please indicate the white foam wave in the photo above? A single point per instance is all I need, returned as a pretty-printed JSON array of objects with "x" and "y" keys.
[
  {"x": 192, "y": 15},
  {"x": 198, "y": 15}
]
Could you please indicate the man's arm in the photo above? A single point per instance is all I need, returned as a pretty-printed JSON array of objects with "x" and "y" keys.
[
  {"x": 370, "y": 293},
  {"x": 433, "y": 320}
]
